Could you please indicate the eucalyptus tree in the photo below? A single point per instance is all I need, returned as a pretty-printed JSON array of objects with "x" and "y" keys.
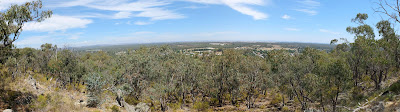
[
  {"x": 337, "y": 80},
  {"x": 280, "y": 72},
  {"x": 252, "y": 77},
  {"x": 361, "y": 49},
  {"x": 13, "y": 19}
]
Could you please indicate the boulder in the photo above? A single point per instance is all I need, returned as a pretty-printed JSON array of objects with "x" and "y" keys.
[
  {"x": 312, "y": 110},
  {"x": 141, "y": 107},
  {"x": 378, "y": 108},
  {"x": 7, "y": 110}
]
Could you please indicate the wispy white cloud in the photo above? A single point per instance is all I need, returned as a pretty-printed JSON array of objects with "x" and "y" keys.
[
  {"x": 287, "y": 17},
  {"x": 156, "y": 10},
  {"x": 240, "y": 6},
  {"x": 310, "y": 3},
  {"x": 308, "y": 6},
  {"x": 141, "y": 23},
  {"x": 308, "y": 11},
  {"x": 31, "y": 41},
  {"x": 292, "y": 29},
  {"x": 57, "y": 23},
  {"x": 152, "y": 9},
  {"x": 122, "y": 15},
  {"x": 329, "y": 31}
]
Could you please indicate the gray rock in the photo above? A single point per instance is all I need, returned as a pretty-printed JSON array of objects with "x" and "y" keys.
[
  {"x": 7, "y": 110},
  {"x": 141, "y": 107},
  {"x": 81, "y": 103},
  {"x": 378, "y": 108},
  {"x": 312, "y": 110}
]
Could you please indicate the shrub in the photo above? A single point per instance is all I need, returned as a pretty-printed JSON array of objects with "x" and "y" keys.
[
  {"x": 395, "y": 87},
  {"x": 201, "y": 106},
  {"x": 214, "y": 101},
  {"x": 175, "y": 106},
  {"x": 277, "y": 99},
  {"x": 131, "y": 100},
  {"x": 41, "y": 102},
  {"x": 115, "y": 109},
  {"x": 356, "y": 94},
  {"x": 95, "y": 83},
  {"x": 285, "y": 109},
  {"x": 93, "y": 101}
]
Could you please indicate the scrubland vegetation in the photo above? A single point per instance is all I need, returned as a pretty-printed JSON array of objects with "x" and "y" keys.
[{"x": 353, "y": 76}]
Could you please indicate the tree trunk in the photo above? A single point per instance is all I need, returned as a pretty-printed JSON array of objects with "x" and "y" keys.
[{"x": 163, "y": 105}]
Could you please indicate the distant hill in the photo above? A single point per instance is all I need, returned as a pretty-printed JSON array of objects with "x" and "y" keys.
[{"x": 190, "y": 45}]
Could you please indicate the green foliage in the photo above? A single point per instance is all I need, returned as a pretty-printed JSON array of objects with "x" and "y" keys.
[
  {"x": 12, "y": 21},
  {"x": 41, "y": 102},
  {"x": 201, "y": 106},
  {"x": 276, "y": 99},
  {"x": 115, "y": 109},
  {"x": 214, "y": 102},
  {"x": 94, "y": 85},
  {"x": 285, "y": 109},
  {"x": 131, "y": 100},
  {"x": 175, "y": 106},
  {"x": 395, "y": 87}
]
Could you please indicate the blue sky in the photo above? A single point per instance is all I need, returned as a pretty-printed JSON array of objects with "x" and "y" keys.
[{"x": 92, "y": 22}]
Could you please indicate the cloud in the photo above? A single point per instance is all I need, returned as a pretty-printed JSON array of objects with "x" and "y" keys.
[
  {"x": 308, "y": 11},
  {"x": 308, "y": 6},
  {"x": 31, "y": 41},
  {"x": 156, "y": 9},
  {"x": 152, "y": 9},
  {"x": 330, "y": 32},
  {"x": 159, "y": 14},
  {"x": 292, "y": 29},
  {"x": 240, "y": 6},
  {"x": 122, "y": 15},
  {"x": 310, "y": 3},
  {"x": 287, "y": 17},
  {"x": 141, "y": 23},
  {"x": 57, "y": 23}
]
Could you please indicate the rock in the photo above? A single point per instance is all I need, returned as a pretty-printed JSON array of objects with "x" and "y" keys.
[
  {"x": 7, "y": 110},
  {"x": 378, "y": 108},
  {"x": 80, "y": 103},
  {"x": 312, "y": 110},
  {"x": 141, "y": 107}
]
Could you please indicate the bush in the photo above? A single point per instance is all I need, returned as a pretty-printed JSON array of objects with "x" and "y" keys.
[
  {"x": 356, "y": 94},
  {"x": 115, "y": 109},
  {"x": 395, "y": 87},
  {"x": 93, "y": 101},
  {"x": 175, "y": 106},
  {"x": 214, "y": 101},
  {"x": 131, "y": 100},
  {"x": 285, "y": 109},
  {"x": 277, "y": 99},
  {"x": 95, "y": 83},
  {"x": 201, "y": 106}
]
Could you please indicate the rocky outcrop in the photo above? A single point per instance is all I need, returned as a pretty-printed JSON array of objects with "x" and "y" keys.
[
  {"x": 141, "y": 107},
  {"x": 378, "y": 108}
]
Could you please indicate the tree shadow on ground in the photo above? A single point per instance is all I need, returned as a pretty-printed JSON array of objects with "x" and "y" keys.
[{"x": 16, "y": 100}]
